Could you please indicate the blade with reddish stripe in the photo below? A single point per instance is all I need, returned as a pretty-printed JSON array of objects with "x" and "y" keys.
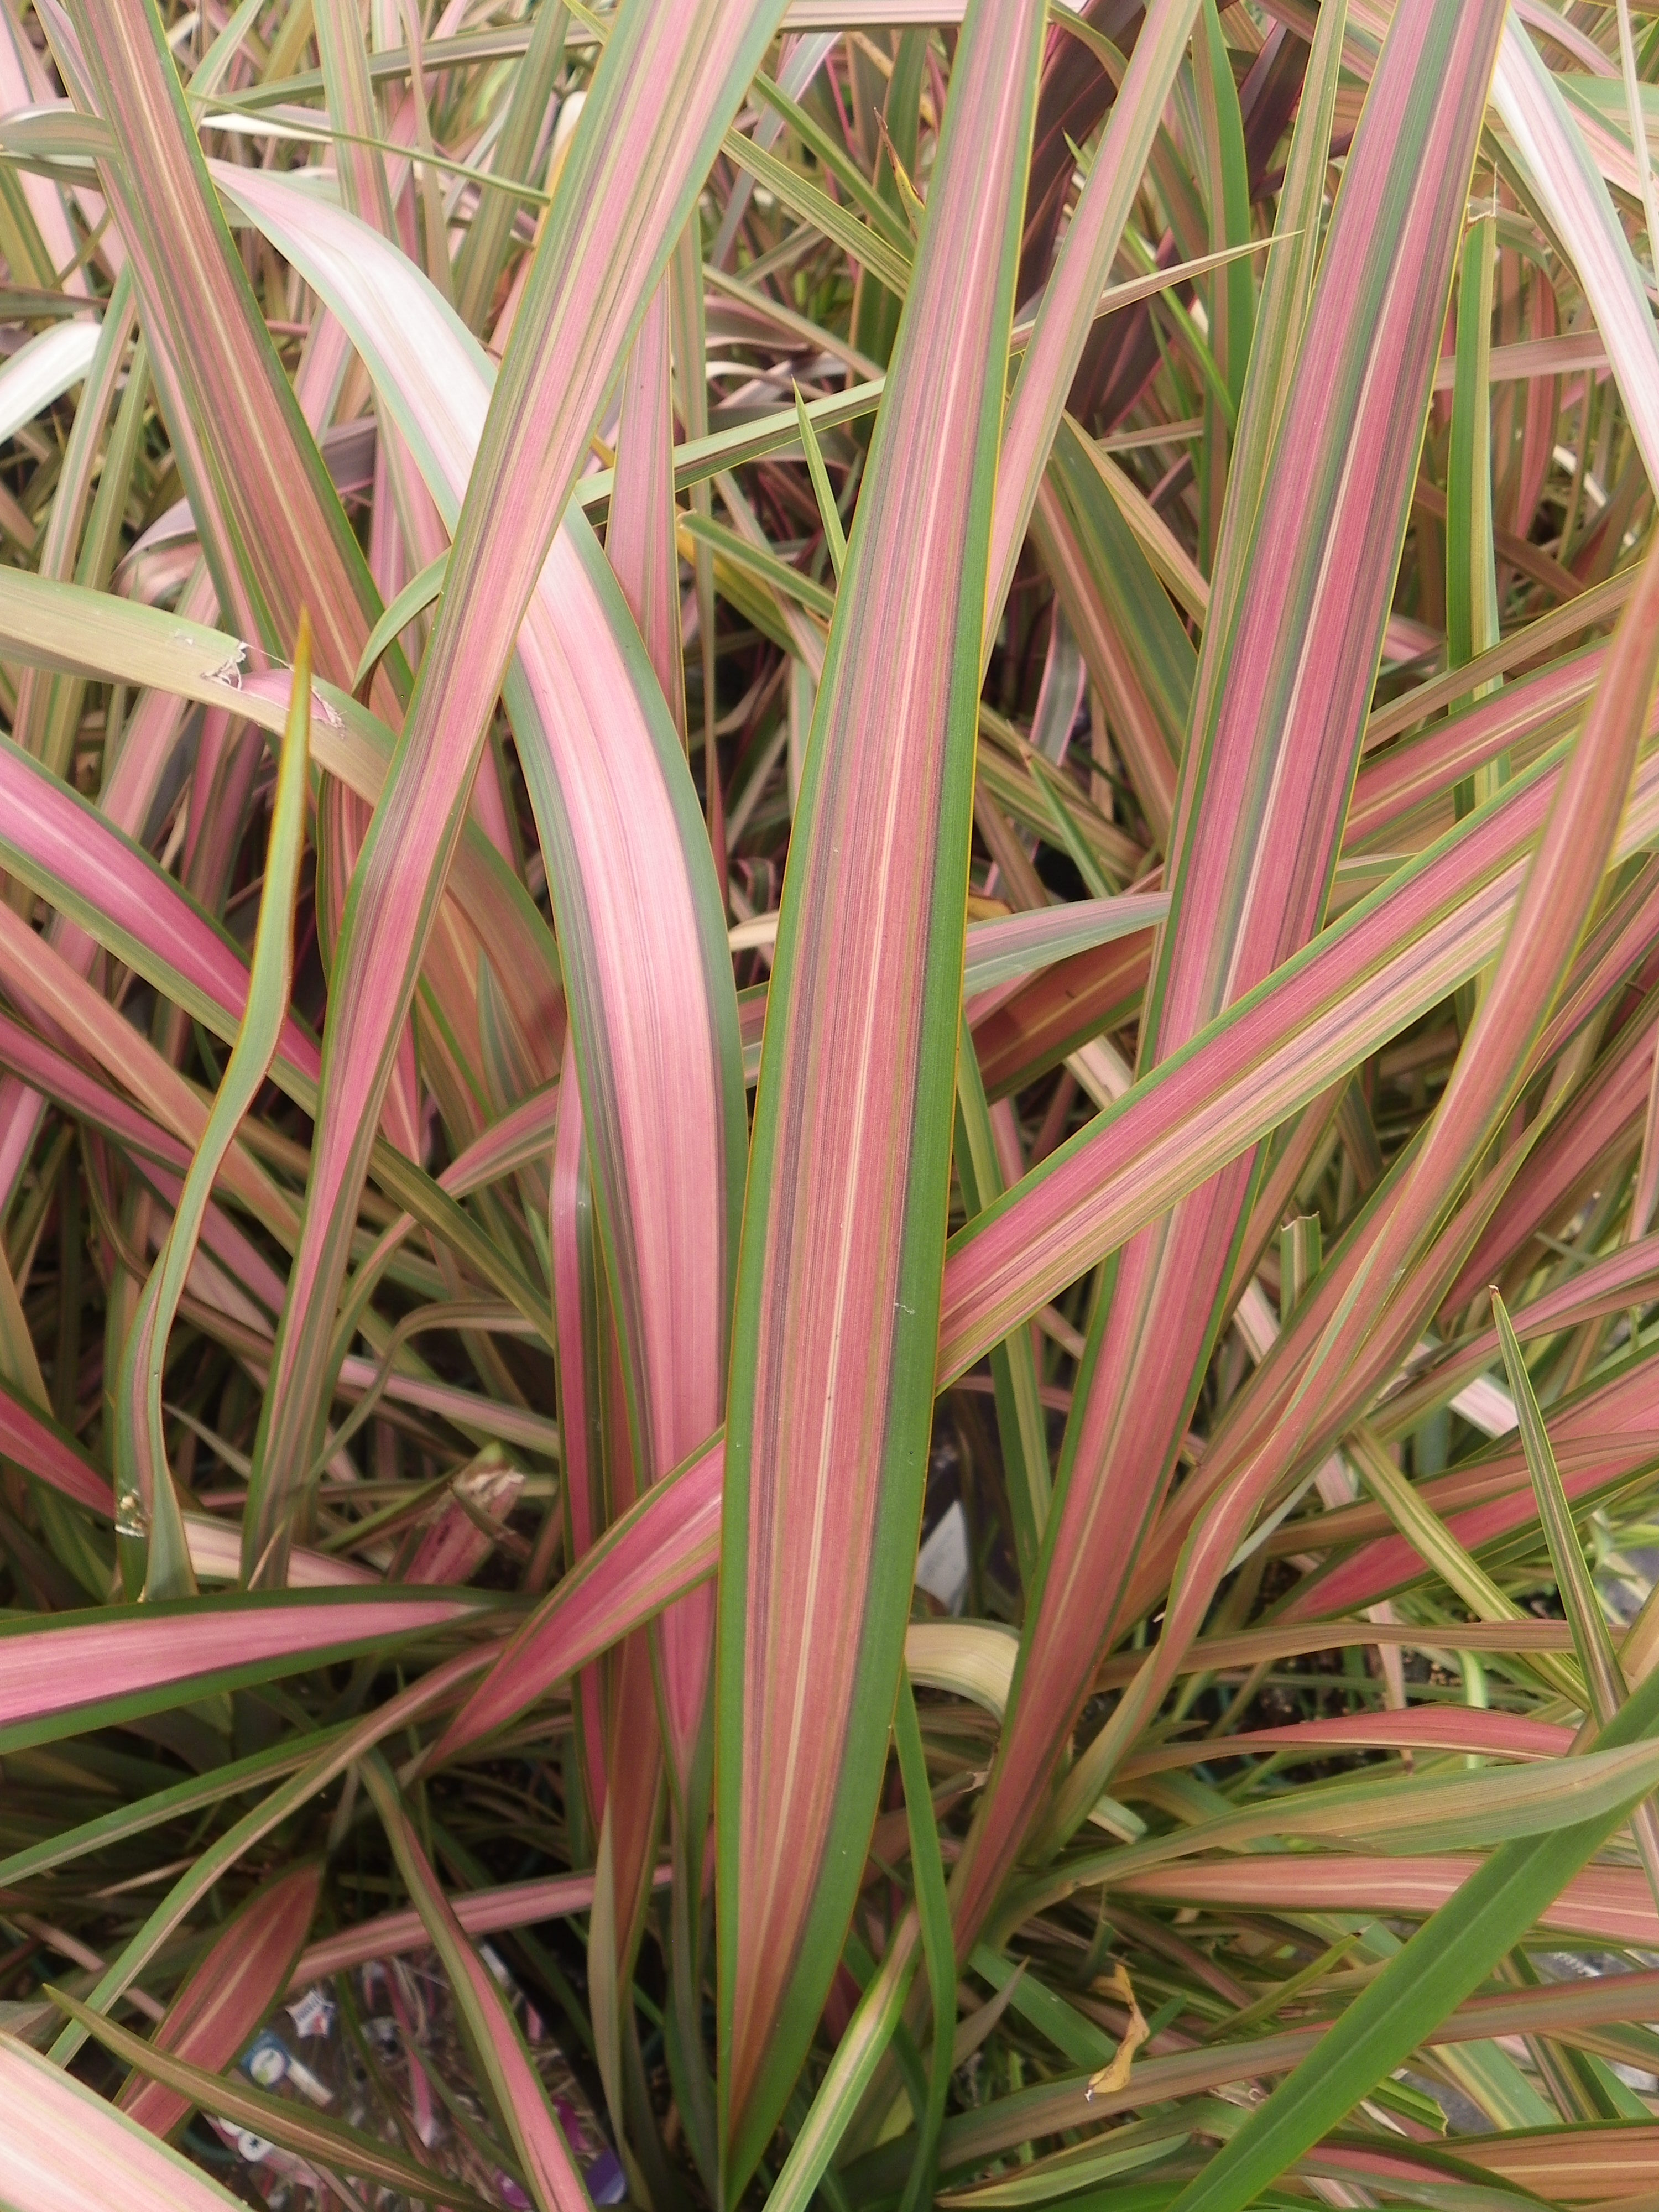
[
  {"x": 667, "y": 84},
  {"x": 666, "y": 1545},
  {"x": 223, "y": 1999},
  {"x": 68, "y": 2151},
  {"x": 1281, "y": 694},
  {"x": 655, "y": 1032},
  {"x": 844, "y": 1220},
  {"x": 89, "y": 1670}
]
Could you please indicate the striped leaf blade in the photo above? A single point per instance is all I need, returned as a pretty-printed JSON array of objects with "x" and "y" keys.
[
  {"x": 1282, "y": 692},
  {"x": 1438, "y": 920},
  {"x": 665, "y": 1546},
  {"x": 1082, "y": 267},
  {"x": 648, "y": 974},
  {"x": 668, "y": 83},
  {"x": 844, "y": 1220},
  {"x": 272, "y": 526},
  {"x": 68, "y": 2151},
  {"x": 1404, "y": 1250},
  {"x": 85, "y": 1670},
  {"x": 223, "y": 1999}
]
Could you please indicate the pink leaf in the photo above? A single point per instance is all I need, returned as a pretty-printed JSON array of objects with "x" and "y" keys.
[
  {"x": 68, "y": 2151},
  {"x": 224, "y": 1999}
]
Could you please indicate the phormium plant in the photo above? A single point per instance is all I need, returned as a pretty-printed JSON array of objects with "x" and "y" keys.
[{"x": 829, "y": 1114}]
